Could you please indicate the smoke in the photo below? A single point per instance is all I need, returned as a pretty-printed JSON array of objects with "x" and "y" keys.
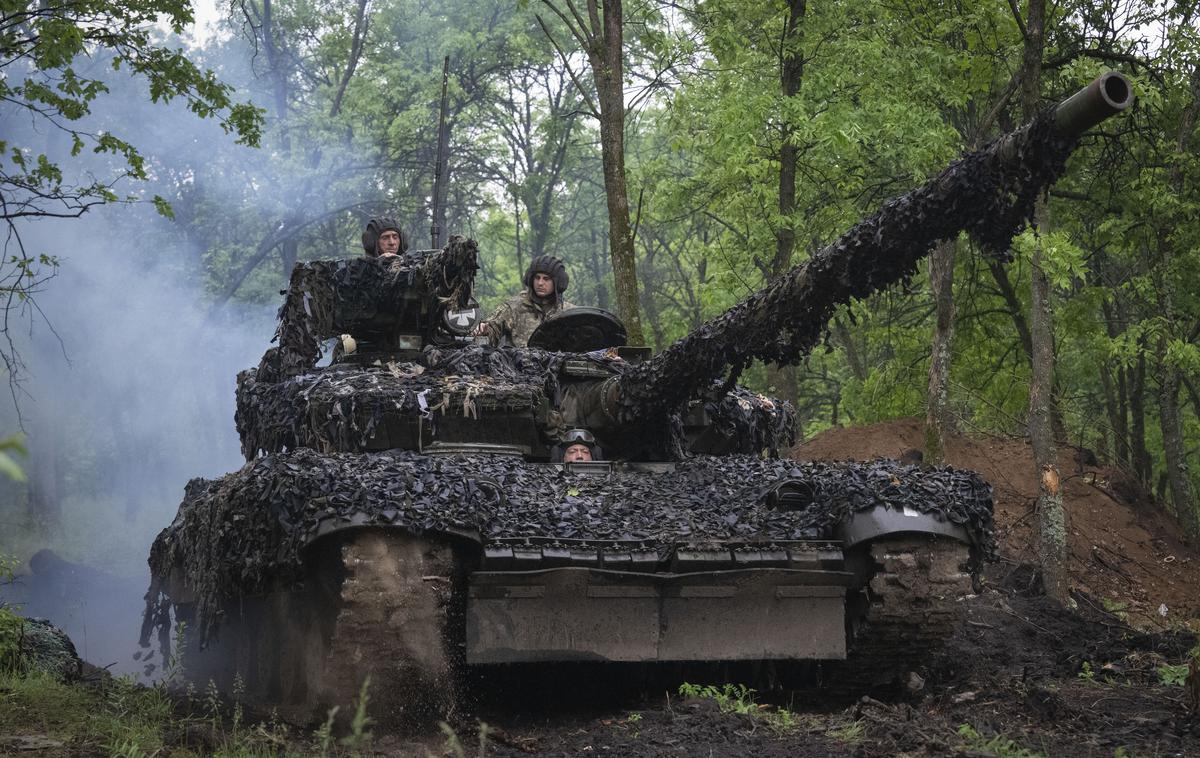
[
  {"x": 128, "y": 393},
  {"x": 127, "y": 387}
]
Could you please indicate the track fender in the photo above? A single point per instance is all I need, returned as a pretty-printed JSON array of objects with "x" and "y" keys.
[{"x": 883, "y": 521}]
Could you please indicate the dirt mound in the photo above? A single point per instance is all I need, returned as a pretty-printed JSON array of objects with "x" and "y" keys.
[{"x": 1125, "y": 552}]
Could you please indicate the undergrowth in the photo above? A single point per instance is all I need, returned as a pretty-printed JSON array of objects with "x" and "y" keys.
[
  {"x": 127, "y": 720},
  {"x": 738, "y": 698},
  {"x": 996, "y": 746}
]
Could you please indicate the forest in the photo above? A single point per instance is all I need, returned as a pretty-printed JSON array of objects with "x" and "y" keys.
[
  {"x": 676, "y": 156},
  {"x": 165, "y": 164}
]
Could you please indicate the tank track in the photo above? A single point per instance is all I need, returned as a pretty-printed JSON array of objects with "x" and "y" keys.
[
  {"x": 391, "y": 626},
  {"x": 909, "y": 609}
]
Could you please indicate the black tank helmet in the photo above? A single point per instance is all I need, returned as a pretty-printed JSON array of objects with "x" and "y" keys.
[
  {"x": 577, "y": 436},
  {"x": 552, "y": 267},
  {"x": 376, "y": 227}
]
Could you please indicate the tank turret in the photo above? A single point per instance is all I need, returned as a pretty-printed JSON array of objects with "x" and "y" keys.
[
  {"x": 398, "y": 518},
  {"x": 390, "y": 306}
]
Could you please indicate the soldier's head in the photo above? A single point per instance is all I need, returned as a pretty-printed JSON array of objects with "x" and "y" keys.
[
  {"x": 578, "y": 445},
  {"x": 383, "y": 236},
  {"x": 546, "y": 278}
]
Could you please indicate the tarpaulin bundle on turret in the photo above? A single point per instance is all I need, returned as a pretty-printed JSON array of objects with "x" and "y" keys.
[
  {"x": 244, "y": 533},
  {"x": 327, "y": 298},
  {"x": 752, "y": 422}
]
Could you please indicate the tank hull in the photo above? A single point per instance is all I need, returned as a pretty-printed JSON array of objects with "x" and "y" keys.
[{"x": 408, "y": 619}]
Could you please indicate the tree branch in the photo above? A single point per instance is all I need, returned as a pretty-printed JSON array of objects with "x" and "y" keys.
[
  {"x": 1012, "y": 4},
  {"x": 356, "y": 45},
  {"x": 583, "y": 93}
]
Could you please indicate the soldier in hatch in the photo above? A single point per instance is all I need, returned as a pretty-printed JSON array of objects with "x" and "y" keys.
[
  {"x": 545, "y": 282},
  {"x": 383, "y": 238},
  {"x": 579, "y": 445}
]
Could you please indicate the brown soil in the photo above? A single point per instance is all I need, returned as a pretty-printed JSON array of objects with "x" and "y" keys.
[
  {"x": 1019, "y": 673},
  {"x": 1125, "y": 550}
]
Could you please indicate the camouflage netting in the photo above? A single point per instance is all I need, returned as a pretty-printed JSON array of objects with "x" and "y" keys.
[
  {"x": 243, "y": 534},
  {"x": 339, "y": 408},
  {"x": 989, "y": 193},
  {"x": 41, "y": 646},
  {"x": 750, "y": 421},
  {"x": 327, "y": 298}
]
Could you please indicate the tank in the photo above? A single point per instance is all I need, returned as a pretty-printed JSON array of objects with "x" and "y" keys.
[{"x": 402, "y": 518}]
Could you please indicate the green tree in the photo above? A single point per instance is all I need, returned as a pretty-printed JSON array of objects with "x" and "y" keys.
[
  {"x": 45, "y": 87},
  {"x": 599, "y": 31}
]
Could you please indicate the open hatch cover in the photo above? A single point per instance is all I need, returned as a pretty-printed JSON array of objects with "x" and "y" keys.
[{"x": 579, "y": 330}]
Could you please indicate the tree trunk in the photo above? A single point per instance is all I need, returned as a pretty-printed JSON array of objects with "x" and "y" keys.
[
  {"x": 791, "y": 76},
  {"x": 853, "y": 359},
  {"x": 1114, "y": 395},
  {"x": 43, "y": 507},
  {"x": 356, "y": 46},
  {"x": 1110, "y": 410},
  {"x": 652, "y": 314},
  {"x": 1173, "y": 450},
  {"x": 1015, "y": 309},
  {"x": 517, "y": 221},
  {"x": 939, "y": 421},
  {"x": 606, "y": 55},
  {"x": 1137, "y": 413},
  {"x": 1182, "y": 494},
  {"x": 598, "y": 273},
  {"x": 279, "y": 82},
  {"x": 1051, "y": 521},
  {"x": 782, "y": 379}
]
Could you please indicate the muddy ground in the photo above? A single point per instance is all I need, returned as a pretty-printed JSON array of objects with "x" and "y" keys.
[{"x": 1019, "y": 674}]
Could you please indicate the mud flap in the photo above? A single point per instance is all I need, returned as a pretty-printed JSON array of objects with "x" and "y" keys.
[
  {"x": 580, "y": 614},
  {"x": 885, "y": 521}
]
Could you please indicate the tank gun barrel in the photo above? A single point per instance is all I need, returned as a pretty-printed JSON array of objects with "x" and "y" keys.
[{"x": 989, "y": 193}]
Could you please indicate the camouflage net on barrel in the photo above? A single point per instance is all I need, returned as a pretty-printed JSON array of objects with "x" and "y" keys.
[
  {"x": 750, "y": 421},
  {"x": 327, "y": 298},
  {"x": 243, "y": 534},
  {"x": 989, "y": 193}
]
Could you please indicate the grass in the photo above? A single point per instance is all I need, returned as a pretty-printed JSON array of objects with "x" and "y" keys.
[
  {"x": 738, "y": 698},
  {"x": 454, "y": 746},
  {"x": 997, "y": 746},
  {"x": 122, "y": 718}
]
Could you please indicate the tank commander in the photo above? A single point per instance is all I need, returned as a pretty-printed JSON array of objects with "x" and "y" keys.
[
  {"x": 383, "y": 238},
  {"x": 516, "y": 319},
  {"x": 579, "y": 445}
]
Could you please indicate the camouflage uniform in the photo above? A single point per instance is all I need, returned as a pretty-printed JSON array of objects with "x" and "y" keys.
[{"x": 520, "y": 315}]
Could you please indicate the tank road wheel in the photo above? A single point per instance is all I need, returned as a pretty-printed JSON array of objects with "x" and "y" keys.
[{"x": 907, "y": 608}]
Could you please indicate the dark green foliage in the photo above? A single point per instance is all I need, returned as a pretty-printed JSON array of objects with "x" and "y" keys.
[{"x": 40, "y": 44}]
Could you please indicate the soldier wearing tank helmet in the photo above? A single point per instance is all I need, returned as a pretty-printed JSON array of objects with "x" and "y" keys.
[
  {"x": 579, "y": 445},
  {"x": 545, "y": 281},
  {"x": 383, "y": 238}
]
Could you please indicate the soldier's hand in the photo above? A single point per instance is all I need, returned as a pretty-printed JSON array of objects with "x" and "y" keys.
[{"x": 480, "y": 329}]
